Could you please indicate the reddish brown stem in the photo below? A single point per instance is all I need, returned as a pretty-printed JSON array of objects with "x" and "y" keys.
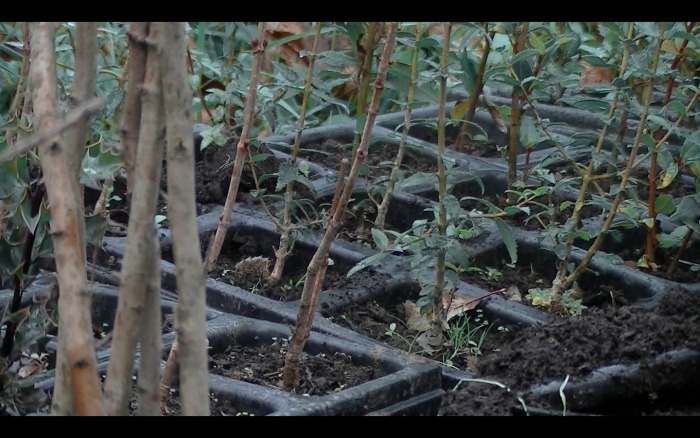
[
  {"x": 684, "y": 245},
  {"x": 653, "y": 176}
]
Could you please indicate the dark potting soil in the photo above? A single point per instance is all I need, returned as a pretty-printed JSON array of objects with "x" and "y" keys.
[
  {"x": 579, "y": 345},
  {"x": 385, "y": 319},
  {"x": 219, "y": 407},
  {"x": 495, "y": 272},
  {"x": 380, "y": 158},
  {"x": 291, "y": 285},
  {"x": 320, "y": 374},
  {"x": 212, "y": 178}
]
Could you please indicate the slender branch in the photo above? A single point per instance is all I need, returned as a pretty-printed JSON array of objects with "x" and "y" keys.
[
  {"x": 386, "y": 200},
  {"x": 259, "y": 44},
  {"x": 365, "y": 73},
  {"x": 151, "y": 339},
  {"x": 284, "y": 249},
  {"x": 73, "y": 118},
  {"x": 515, "y": 111},
  {"x": 132, "y": 106},
  {"x": 136, "y": 264},
  {"x": 466, "y": 127},
  {"x": 650, "y": 247},
  {"x": 438, "y": 308},
  {"x": 290, "y": 372},
  {"x": 559, "y": 285}
]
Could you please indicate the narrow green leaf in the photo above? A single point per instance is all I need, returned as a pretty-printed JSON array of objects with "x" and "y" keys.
[
  {"x": 369, "y": 261},
  {"x": 380, "y": 238},
  {"x": 508, "y": 239}
]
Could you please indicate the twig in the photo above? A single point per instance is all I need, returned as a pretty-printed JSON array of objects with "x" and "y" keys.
[
  {"x": 214, "y": 249},
  {"x": 77, "y": 115}
]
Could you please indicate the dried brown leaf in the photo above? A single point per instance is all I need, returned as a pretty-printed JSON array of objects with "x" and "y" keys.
[
  {"x": 496, "y": 116},
  {"x": 414, "y": 320},
  {"x": 513, "y": 293},
  {"x": 429, "y": 340},
  {"x": 458, "y": 305}
]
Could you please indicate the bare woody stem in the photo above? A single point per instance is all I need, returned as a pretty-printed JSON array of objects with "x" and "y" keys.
[
  {"x": 284, "y": 248},
  {"x": 62, "y": 187},
  {"x": 562, "y": 285},
  {"x": 438, "y": 310},
  {"x": 140, "y": 238},
  {"x": 465, "y": 128},
  {"x": 365, "y": 73},
  {"x": 676, "y": 257},
  {"x": 191, "y": 310},
  {"x": 588, "y": 174},
  {"x": 151, "y": 340},
  {"x": 384, "y": 207},
  {"x": 214, "y": 250},
  {"x": 515, "y": 112},
  {"x": 290, "y": 373},
  {"x": 132, "y": 106},
  {"x": 653, "y": 176}
]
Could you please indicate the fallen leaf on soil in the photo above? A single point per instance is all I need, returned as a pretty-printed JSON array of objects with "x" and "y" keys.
[
  {"x": 458, "y": 305},
  {"x": 430, "y": 341},
  {"x": 512, "y": 293},
  {"x": 414, "y": 320},
  {"x": 35, "y": 365}
]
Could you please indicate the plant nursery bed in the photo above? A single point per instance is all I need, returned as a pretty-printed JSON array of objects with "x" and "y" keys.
[
  {"x": 607, "y": 361},
  {"x": 536, "y": 268},
  {"x": 337, "y": 377},
  {"x": 390, "y": 319},
  {"x": 247, "y": 258}
]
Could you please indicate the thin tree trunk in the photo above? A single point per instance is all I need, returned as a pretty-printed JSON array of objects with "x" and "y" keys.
[
  {"x": 140, "y": 238},
  {"x": 151, "y": 340},
  {"x": 132, "y": 106},
  {"x": 290, "y": 372},
  {"x": 191, "y": 311},
  {"x": 241, "y": 151},
  {"x": 285, "y": 248},
  {"x": 67, "y": 224}
]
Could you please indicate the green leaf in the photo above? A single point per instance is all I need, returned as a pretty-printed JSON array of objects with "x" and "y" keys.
[
  {"x": 537, "y": 43},
  {"x": 664, "y": 204},
  {"x": 417, "y": 179},
  {"x": 380, "y": 238},
  {"x": 678, "y": 107},
  {"x": 286, "y": 175},
  {"x": 259, "y": 157},
  {"x": 508, "y": 239},
  {"x": 660, "y": 121},
  {"x": 469, "y": 69},
  {"x": 451, "y": 204},
  {"x": 492, "y": 207},
  {"x": 512, "y": 210},
  {"x": 613, "y": 259},
  {"x": 529, "y": 135},
  {"x": 523, "y": 56},
  {"x": 369, "y": 261},
  {"x": 668, "y": 175},
  {"x": 564, "y": 205}
]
